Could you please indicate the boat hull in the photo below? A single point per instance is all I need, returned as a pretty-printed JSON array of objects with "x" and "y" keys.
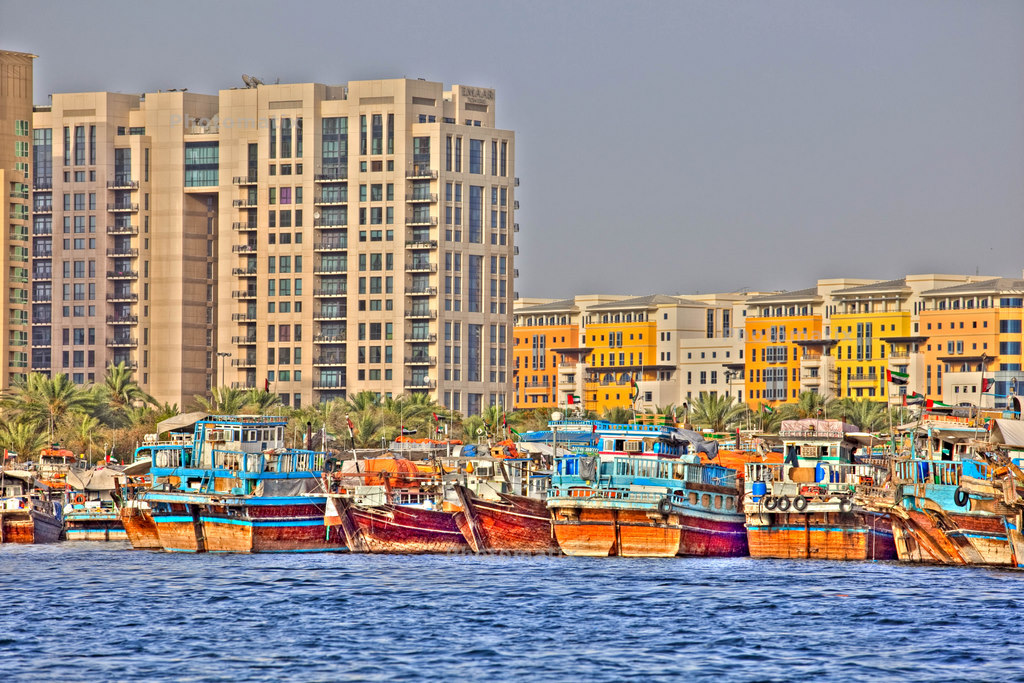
[
  {"x": 140, "y": 528},
  {"x": 90, "y": 525},
  {"x": 401, "y": 529},
  {"x": 626, "y": 532},
  {"x": 29, "y": 526},
  {"x": 855, "y": 535},
  {"x": 255, "y": 526},
  {"x": 514, "y": 524},
  {"x": 952, "y": 538}
]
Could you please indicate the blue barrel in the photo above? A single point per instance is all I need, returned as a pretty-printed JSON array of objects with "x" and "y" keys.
[{"x": 758, "y": 489}]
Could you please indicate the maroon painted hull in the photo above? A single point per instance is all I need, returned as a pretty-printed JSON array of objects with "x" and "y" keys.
[
  {"x": 514, "y": 524},
  {"x": 400, "y": 529}
]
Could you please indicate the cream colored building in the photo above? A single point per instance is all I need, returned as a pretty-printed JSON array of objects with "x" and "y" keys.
[
  {"x": 15, "y": 178},
  {"x": 315, "y": 240}
]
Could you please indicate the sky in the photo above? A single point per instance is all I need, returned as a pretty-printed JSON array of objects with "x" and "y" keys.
[{"x": 663, "y": 147}]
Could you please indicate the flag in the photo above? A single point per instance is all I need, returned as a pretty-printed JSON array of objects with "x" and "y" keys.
[
  {"x": 504, "y": 420},
  {"x": 515, "y": 433},
  {"x": 935, "y": 404},
  {"x": 986, "y": 384},
  {"x": 351, "y": 427},
  {"x": 914, "y": 398},
  {"x": 332, "y": 517},
  {"x": 436, "y": 418},
  {"x": 406, "y": 431},
  {"x": 768, "y": 409},
  {"x": 573, "y": 399},
  {"x": 904, "y": 400},
  {"x": 896, "y": 377},
  {"x": 266, "y": 384},
  {"x": 634, "y": 390}
]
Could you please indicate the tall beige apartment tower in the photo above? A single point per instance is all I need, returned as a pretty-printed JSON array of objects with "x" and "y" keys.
[
  {"x": 366, "y": 241},
  {"x": 15, "y": 176}
]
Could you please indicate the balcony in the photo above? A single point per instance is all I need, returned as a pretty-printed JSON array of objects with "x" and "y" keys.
[
  {"x": 43, "y": 207},
  {"x": 122, "y": 296},
  {"x": 122, "y": 275},
  {"x": 331, "y": 244},
  {"x": 243, "y": 385},
  {"x": 36, "y": 275},
  {"x": 247, "y": 339},
  {"x": 42, "y": 184},
  {"x": 124, "y": 252},
  {"x": 328, "y": 339},
  {"x": 330, "y": 200},
  {"x": 244, "y": 294},
  {"x": 567, "y": 381},
  {"x": 863, "y": 380},
  {"x": 123, "y": 207},
  {"x": 430, "y": 197},
  {"x": 421, "y": 244},
  {"x": 419, "y": 172},
  {"x": 422, "y": 291},
  {"x": 900, "y": 357},
  {"x": 421, "y": 313},
  {"x": 122, "y": 319},
  {"x": 244, "y": 227},
  {"x": 330, "y": 314},
  {"x": 243, "y": 362},
  {"x": 243, "y": 272},
  {"x": 329, "y": 268},
  {"x": 515, "y": 227},
  {"x": 412, "y": 221},
  {"x": 430, "y": 338},
  {"x": 423, "y": 383},
  {"x": 421, "y": 267},
  {"x": 42, "y": 320},
  {"x": 515, "y": 205},
  {"x": 421, "y": 360},
  {"x": 328, "y": 384},
  {"x": 122, "y": 230},
  {"x": 330, "y": 222},
  {"x": 244, "y": 203},
  {"x": 122, "y": 342},
  {"x": 244, "y": 179},
  {"x": 328, "y": 293},
  {"x": 122, "y": 183},
  {"x": 243, "y": 317},
  {"x": 331, "y": 174},
  {"x": 329, "y": 359},
  {"x": 244, "y": 249}
]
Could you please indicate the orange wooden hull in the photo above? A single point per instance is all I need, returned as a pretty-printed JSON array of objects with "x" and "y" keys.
[
  {"x": 957, "y": 539},
  {"x": 821, "y": 536},
  {"x": 601, "y": 532},
  {"x": 514, "y": 524},
  {"x": 140, "y": 528}
]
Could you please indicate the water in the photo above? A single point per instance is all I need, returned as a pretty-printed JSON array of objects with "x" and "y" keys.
[{"x": 88, "y": 611}]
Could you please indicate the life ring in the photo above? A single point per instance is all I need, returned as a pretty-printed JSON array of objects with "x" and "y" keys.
[
  {"x": 799, "y": 503},
  {"x": 769, "y": 502},
  {"x": 665, "y": 506},
  {"x": 845, "y": 504},
  {"x": 784, "y": 503},
  {"x": 960, "y": 497},
  {"x": 80, "y": 498}
]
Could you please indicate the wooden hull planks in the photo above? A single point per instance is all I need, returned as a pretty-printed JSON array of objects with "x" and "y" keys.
[
  {"x": 29, "y": 526},
  {"x": 402, "y": 529},
  {"x": 951, "y": 538},
  {"x": 601, "y": 532},
  {"x": 140, "y": 528},
  {"x": 94, "y": 525},
  {"x": 821, "y": 536},
  {"x": 514, "y": 524}
]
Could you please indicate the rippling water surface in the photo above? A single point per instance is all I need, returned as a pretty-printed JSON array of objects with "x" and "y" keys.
[{"x": 88, "y": 611}]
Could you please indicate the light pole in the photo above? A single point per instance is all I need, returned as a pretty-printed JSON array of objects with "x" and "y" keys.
[{"x": 223, "y": 355}]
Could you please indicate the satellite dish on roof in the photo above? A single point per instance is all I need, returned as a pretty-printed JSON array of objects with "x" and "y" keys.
[{"x": 251, "y": 81}]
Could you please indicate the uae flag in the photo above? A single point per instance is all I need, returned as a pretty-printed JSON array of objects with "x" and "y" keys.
[
  {"x": 768, "y": 409},
  {"x": 986, "y": 384},
  {"x": 573, "y": 399},
  {"x": 898, "y": 378},
  {"x": 936, "y": 404},
  {"x": 351, "y": 427},
  {"x": 914, "y": 398},
  {"x": 634, "y": 390}
]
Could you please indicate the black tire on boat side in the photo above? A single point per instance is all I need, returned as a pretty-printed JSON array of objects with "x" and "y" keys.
[
  {"x": 665, "y": 506},
  {"x": 799, "y": 503},
  {"x": 960, "y": 497},
  {"x": 784, "y": 503},
  {"x": 846, "y": 504},
  {"x": 769, "y": 502}
]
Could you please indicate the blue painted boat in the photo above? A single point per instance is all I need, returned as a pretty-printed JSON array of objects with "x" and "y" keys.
[
  {"x": 642, "y": 491},
  {"x": 235, "y": 487}
]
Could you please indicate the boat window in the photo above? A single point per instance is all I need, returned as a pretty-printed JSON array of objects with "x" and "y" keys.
[
  {"x": 718, "y": 502},
  {"x": 693, "y": 497},
  {"x": 729, "y": 503},
  {"x": 252, "y": 435},
  {"x": 705, "y": 500}
]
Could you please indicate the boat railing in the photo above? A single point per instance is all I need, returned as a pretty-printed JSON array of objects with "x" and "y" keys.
[
  {"x": 651, "y": 468},
  {"x": 764, "y": 471},
  {"x": 921, "y": 471}
]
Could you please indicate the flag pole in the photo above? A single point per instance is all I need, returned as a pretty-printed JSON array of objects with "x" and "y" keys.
[
  {"x": 888, "y": 409},
  {"x": 981, "y": 394}
]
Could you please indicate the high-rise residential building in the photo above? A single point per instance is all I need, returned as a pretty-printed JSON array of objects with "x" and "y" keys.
[
  {"x": 15, "y": 175},
  {"x": 313, "y": 240}
]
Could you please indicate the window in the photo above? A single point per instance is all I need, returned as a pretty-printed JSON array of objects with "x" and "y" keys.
[{"x": 476, "y": 156}]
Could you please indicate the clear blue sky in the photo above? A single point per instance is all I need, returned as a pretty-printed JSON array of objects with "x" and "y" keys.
[{"x": 667, "y": 147}]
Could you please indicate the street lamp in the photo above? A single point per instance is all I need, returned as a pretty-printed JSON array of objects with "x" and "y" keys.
[{"x": 223, "y": 355}]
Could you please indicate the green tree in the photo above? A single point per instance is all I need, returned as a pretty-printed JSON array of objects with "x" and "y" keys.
[
  {"x": 22, "y": 437},
  {"x": 716, "y": 412},
  {"x": 618, "y": 415},
  {"x": 46, "y": 401},
  {"x": 120, "y": 392},
  {"x": 262, "y": 402},
  {"x": 223, "y": 401}
]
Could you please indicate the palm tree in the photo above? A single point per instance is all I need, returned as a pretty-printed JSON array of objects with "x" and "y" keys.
[
  {"x": 870, "y": 416},
  {"x": 48, "y": 401},
  {"x": 22, "y": 437},
  {"x": 716, "y": 412},
  {"x": 810, "y": 404},
  {"x": 618, "y": 415},
  {"x": 262, "y": 401},
  {"x": 84, "y": 433},
  {"x": 121, "y": 391},
  {"x": 223, "y": 401}
]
